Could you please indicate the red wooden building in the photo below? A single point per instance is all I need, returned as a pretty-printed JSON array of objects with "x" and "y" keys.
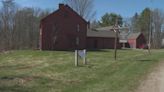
[
  {"x": 136, "y": 40},
  {"x": 64, "y": 29}
]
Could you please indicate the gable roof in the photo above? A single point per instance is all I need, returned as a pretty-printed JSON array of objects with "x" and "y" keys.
[
  {"x": 134, "y": 35},
  {"x": 68, "y": 8}
]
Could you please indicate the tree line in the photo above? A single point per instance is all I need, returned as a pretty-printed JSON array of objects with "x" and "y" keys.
[
  {"x": 149, "y": 22},
  {"x": 19, "y": 27}
]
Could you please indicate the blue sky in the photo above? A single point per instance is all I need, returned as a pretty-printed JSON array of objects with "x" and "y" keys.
[{"x": 126, "y": 8}]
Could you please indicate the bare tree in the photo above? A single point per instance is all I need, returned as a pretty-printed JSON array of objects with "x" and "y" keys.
[
  {"x": 19, "y": 27},
  {"x": 158, "y": 20},
  {"x": 7, "y": 13},
  {"x": 27, "y": 27},
  {"x": 83, "y": 7}
]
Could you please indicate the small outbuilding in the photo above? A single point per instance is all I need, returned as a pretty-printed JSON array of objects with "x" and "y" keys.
[{"x": 136, "y": 40}]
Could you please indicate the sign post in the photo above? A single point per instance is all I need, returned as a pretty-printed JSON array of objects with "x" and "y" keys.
[
  {"x": 82, "y": 54},
  {"x": 76, "y": 58}
]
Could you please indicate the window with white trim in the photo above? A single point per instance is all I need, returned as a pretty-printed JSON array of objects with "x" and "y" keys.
[{"x": 78, "y": 28}]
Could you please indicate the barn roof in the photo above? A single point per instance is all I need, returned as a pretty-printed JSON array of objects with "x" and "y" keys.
[
  {"x": 103, "y": 32},
  {"x": 98, "y": 33},
  {"x": 134, "y": 35}
]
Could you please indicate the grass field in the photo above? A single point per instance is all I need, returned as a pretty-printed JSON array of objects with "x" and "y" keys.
[{"x": 37, "y": 71}]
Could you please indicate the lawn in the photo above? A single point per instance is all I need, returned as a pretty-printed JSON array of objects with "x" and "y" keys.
[{"x": 54, "y": 71}]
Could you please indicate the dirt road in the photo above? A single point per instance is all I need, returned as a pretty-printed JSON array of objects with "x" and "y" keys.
[{"x": 155, "y": 81}]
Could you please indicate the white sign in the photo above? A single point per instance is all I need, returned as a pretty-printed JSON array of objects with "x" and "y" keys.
[{"x": 82, "y": 53}]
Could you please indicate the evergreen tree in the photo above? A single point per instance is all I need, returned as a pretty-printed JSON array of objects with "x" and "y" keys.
[
  {"x": 144, "y": 22},
  {"x": 110, "y": 19},
  {"x": 135, "y": 25}
]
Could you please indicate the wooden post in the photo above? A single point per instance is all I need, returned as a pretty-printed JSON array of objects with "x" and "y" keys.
[
  {"x": 40, "y": 40},
  {"x": 84, "y": 58},
  {"x": 76, "y": 57},
  {"x": 150, "y": 29},
  {"x": 116, "y": 36},
  {"x": 115, "y": 47}
]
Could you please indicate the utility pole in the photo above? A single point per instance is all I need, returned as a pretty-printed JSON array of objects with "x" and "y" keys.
[
  {"x": 116, "y": 38},
  {"x": 149, "y": 43},
  {"x": 150, "y": 30}
]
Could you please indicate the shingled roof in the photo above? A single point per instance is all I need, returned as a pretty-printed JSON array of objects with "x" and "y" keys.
[
  {"x": 108, "y": 28},
  {"x": 103, "y": 32},
  {"x": 98, "y": 33},
  {"x": 134, "y": 35}
]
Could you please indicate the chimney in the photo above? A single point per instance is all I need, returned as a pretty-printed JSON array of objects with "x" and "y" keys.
[{"x": 61, "y": 6}]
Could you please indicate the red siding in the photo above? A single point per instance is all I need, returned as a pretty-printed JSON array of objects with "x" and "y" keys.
[
  {"x": 101, "y": 43},
  {"x": 132, "y": 43},
  {"x": 139, "y": 42}
]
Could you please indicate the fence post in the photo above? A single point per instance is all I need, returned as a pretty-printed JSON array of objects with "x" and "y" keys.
[{"x": 76, "y": 57}]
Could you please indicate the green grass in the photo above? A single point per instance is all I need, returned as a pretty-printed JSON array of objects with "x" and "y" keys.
[{"x": 37, "y": 71}]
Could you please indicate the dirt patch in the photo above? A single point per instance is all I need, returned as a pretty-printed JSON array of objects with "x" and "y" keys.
[{"x": 155, "y": 80}]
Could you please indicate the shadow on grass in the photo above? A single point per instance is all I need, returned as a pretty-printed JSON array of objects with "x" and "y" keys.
[
  {"x": 17, "y": 67},
  {"x": 19, "y": 83},
  {"x": 98, "y": 50},
  {"x": 91, "y": 50},
  {"x": 13, "y": 89},
  {"x": 86, "y": 66},
  {"x": 145, "y": 60}
]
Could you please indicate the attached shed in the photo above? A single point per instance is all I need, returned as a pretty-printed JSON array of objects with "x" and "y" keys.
[
  {"x": 101, "y": 39},
  {"x": 136, "y": 40}
]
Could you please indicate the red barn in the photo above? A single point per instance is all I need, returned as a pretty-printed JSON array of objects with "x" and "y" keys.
[
  {"x": 64, "y": 29},
  {"x": 137, "y": 40}
]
